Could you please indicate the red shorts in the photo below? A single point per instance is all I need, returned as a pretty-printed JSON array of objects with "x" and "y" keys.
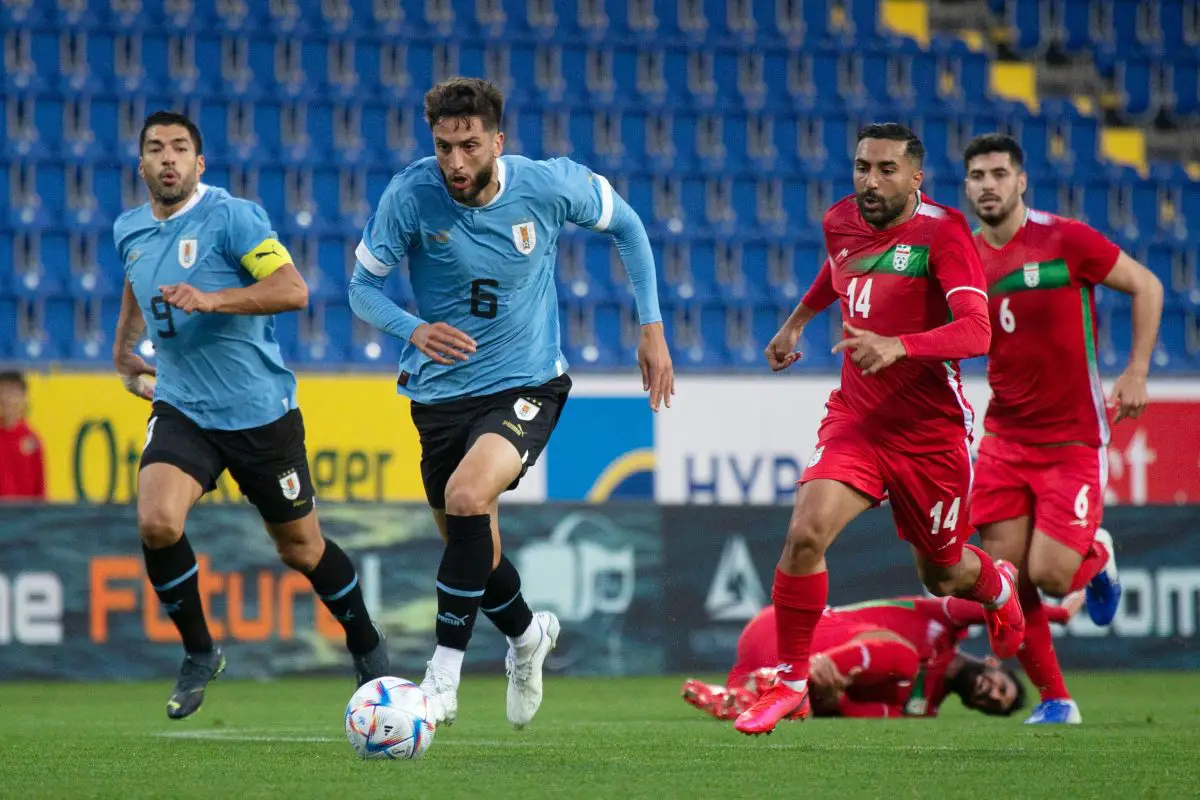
[
  {"x": 928, "y": 492},
  {"x": 1061, "y": 487}
]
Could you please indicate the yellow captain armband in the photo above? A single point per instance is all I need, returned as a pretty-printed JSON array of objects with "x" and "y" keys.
[{"x": 267, "y": 257}]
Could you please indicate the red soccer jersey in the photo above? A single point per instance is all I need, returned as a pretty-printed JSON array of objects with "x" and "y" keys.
[
  {"x": 930, "y": 625},
  {"x": 22, "y": 472},
  {"x": 1042, "y": 364},
  {"x": 896, "y": 282},
  {"x": 935, "y": 627}
]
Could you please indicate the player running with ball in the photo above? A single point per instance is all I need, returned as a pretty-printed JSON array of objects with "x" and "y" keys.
[
  {"x": 899, "y": 426},
  {"x": 482, "y": 362},
  {"x": 1043, "y": 461},
  {"x": 205, "y": 272}
]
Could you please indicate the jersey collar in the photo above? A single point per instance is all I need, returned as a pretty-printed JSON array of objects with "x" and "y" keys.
[
  {"x": 501, "y": 178},
  {"x": 201, "y": 190}
]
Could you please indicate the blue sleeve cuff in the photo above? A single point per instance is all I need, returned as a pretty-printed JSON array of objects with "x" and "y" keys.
[
  {"x": 633, "y": 244},
  {"x": 371, "y": 305}
]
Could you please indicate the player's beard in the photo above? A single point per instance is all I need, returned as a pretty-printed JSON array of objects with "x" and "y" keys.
[
  {"x": 883, "y": 214},
  {"x": 997, "y": 217},
  {"x": 170, "y": 195},
  {"x": 482, "y": 179}
]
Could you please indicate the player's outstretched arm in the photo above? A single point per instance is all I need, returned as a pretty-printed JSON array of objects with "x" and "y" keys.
[
  {"x": 588, "y": 200},
  {"x": 654, "y": 357},
  {"x": 781, "y": 350},
  {"x": 130, "y": 366},
  {"x": 443, "y": 343},
  {"x": 1129, "y": 395}
]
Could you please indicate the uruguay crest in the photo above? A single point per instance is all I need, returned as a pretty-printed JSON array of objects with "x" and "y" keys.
[
  {"x": 900, "y": 257},
  {"x": 289, "y": 482},
  {"x": 525, "y": 409},
  {"x": 1033, "y": 275},
  {"x": 187, "y": 252},
  {"x": 524, "y": 237}
]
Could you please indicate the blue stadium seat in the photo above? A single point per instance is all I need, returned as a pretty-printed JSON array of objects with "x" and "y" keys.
[
  {"x": 1026, "y": 17},
  {"x": 1134, "y": 82},
  {"x": 1076, "y": 19},
  {"x": 1185, "y": 86}
]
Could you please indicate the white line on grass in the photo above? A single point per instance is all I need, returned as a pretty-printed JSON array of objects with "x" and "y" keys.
[{"x": 242, "y": 736}]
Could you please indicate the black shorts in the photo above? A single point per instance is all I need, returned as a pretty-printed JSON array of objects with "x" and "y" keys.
[
  {"x": 524, "y": 416},
  {"x": 269, "y": 462}
]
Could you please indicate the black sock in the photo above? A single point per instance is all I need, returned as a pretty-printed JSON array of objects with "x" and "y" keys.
[
  {"x": 175, "y": 576},
  {"x": 502, "y": 601},
  {"x": 462, "y": 576},
  {"x": 336, "y": 583}
]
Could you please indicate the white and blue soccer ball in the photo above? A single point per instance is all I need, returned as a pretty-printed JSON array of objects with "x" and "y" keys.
[{"x": 389, "y": 718}]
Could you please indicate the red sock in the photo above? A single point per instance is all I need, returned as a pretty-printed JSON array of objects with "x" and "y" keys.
[
  {"x": 989, "y": 585},
  {"x": 1093, "y": 562},
  {"x": 1037, "y": 654},
  {"x": 799, "y": 602}
]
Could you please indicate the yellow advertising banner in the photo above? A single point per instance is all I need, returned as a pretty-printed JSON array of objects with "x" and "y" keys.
[{"x": 361, "y": 441}]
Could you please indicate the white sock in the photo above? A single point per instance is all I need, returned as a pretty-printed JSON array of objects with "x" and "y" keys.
[
  {"x": 796, "y": 686},
  {"x": 528, "y": 637},
  {"x": 449, "y": 661}
]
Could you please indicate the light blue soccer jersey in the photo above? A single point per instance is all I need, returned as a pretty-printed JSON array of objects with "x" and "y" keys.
[
  {"x": 224, "y": 371},
  {"x": 488, "y": 271}
]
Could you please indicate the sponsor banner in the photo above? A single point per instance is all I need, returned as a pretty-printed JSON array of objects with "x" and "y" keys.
[
  {"x": 361, "y": 441},
  {"x": 744, "y": 440},
  {"x": 75, "y": 603},
  {"x": 722, "y": 561},
  {"x": 640, "y": 589},
  {"x": 1156, "y": 458},
  {"x": 725, "y": 440}
]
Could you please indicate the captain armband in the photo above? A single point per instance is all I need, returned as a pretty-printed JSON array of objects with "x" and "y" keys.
[{"x": 267, "y": 257}]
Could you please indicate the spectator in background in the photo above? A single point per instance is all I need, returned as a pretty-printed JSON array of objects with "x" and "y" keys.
[{"x": 22, "y": 469}]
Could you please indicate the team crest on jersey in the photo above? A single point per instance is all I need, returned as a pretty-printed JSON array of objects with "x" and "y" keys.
[
  {"x": 526, "y": 409},
  {"x": 289, "y": 482},
  {"x": 816, "y": 456},
  {"x": 187, "y": 252},
  {"x": 1033, "y": 275},
  {"x": 900, "y": 258},
  {"x": 524, "y": 237}
]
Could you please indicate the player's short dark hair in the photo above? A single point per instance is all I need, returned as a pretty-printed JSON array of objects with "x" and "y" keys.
[
  {"x": 465, "y": 97},
  {"x": 895, "y": 132},
  {"x": 12, "y": 376},
  {"x": 172, "y": 118},
  {"x": 994, "y": 143}
]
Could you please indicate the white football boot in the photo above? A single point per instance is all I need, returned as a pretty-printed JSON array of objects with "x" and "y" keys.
[
  {"x": 439, "y": 689},
  {"x": 524, "y": 668}
]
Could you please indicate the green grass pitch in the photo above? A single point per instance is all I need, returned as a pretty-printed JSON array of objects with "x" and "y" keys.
[{"x": 601, "y": 738}]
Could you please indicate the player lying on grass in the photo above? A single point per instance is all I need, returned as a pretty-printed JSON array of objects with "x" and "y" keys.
[
  {"x": 1038, "y": 495},
  {"x": 884, "y": 658}
]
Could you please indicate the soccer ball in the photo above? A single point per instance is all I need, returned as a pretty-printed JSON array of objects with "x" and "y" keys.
[{"x": 389, "y": 718}]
